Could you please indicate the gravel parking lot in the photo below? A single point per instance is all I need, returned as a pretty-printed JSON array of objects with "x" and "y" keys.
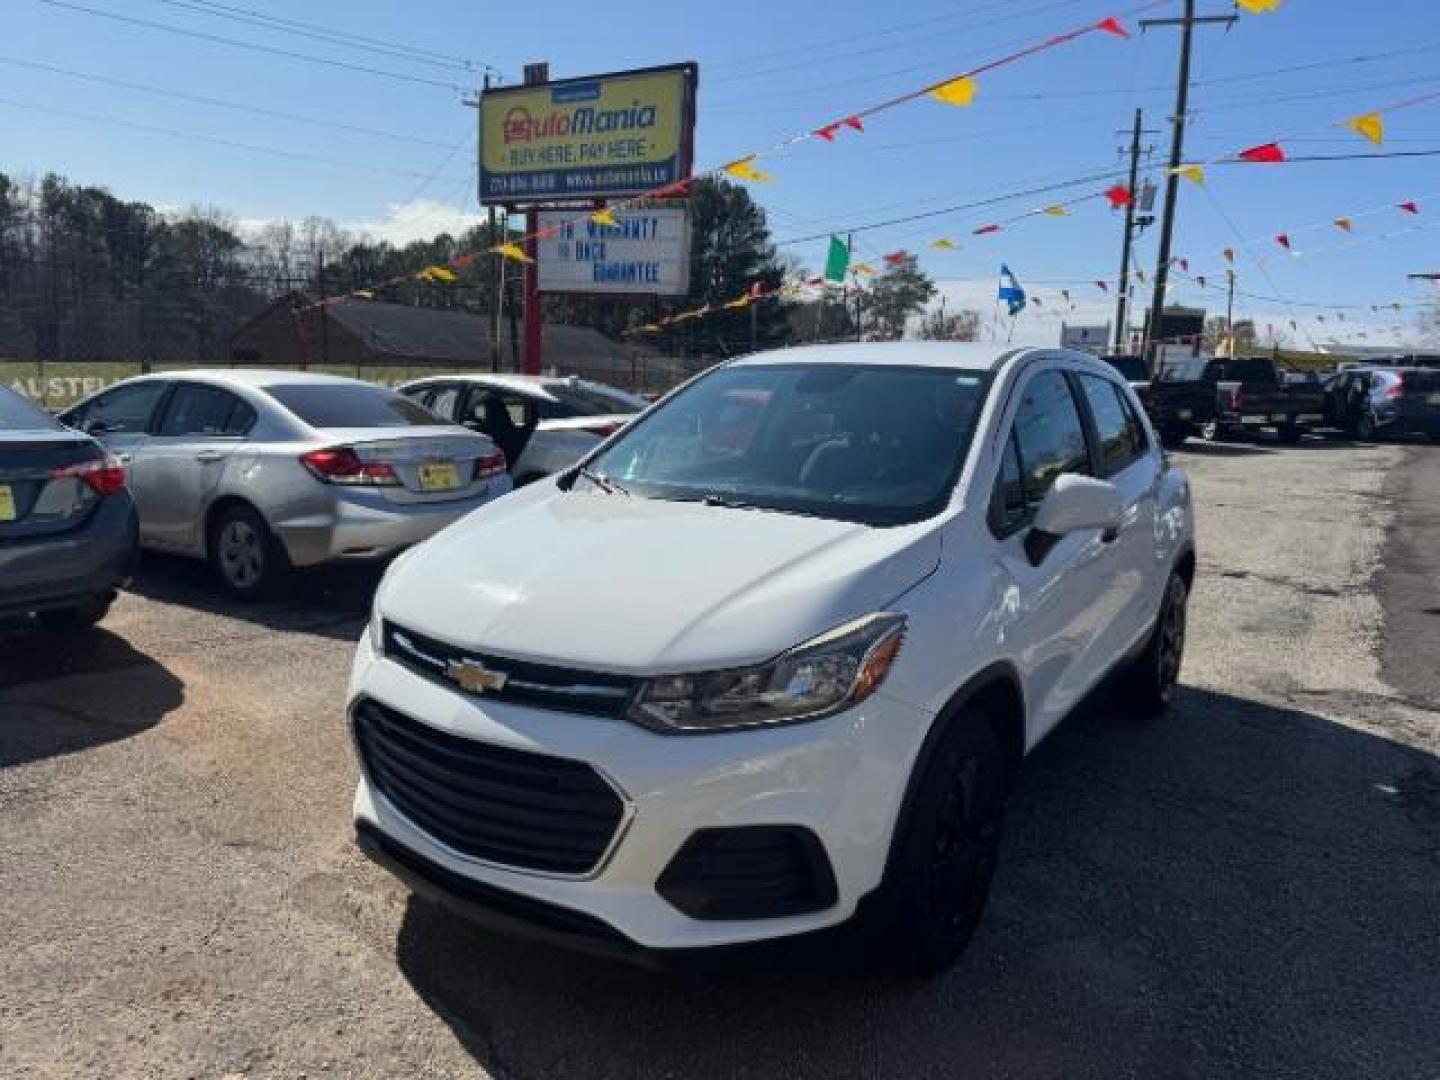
[{"x": 1249, "y": 887}]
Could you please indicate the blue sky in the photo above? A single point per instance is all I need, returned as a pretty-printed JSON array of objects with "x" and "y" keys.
[{"x": 769, "y": 70}]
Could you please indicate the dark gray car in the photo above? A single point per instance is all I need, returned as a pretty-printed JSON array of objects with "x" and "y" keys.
[{"x": 68, "y": 535}]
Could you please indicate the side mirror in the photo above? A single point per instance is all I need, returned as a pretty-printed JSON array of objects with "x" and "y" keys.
[{"x": 1073, "y": 503}]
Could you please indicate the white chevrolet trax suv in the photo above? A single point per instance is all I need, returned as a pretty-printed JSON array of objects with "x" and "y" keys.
[{"x": 765, "y": 664}]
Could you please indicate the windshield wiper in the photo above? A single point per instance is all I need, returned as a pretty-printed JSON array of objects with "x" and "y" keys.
[{"x": 599, "y": 479}]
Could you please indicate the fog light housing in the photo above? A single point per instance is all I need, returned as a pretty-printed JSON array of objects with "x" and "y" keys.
[{"x": 749, "y": 872}]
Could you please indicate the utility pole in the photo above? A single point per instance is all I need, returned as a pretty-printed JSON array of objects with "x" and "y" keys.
[
  {"x": 1122, "y": 289},
  {"x": 324, "y": 310},
  {"x": 496, "y": 270},
  {"x": 1230, "y": 309},
  {"x": 1187, "y": 24}
]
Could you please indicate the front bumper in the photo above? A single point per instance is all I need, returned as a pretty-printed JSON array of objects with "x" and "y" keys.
[
  {"x": 70, "y": 568},
  {"x": 362, "y": 524},
  {"x": 842, "y": 778}
]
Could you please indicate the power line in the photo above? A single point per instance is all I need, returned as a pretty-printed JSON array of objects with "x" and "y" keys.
[
  {"x": 975, "y": 205},
  {"x": 316, "y": 32},
  {"x": 218, "y": 102},
  {"x": 111, "y": 121},
  {"x": 255, "y": 47}
]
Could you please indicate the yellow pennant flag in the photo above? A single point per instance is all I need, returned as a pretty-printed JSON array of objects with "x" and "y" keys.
[
  {"x": 1194, "y": 173},
  {"x": 511, "y": 251},
  {"x": 959, "y": 91},
  {"x": 1344, "y": 223},
  {"x": 604, "y": 216},
  {"x": 1371, "y": 125},
  {"x": 1056, "y": 211},
  {"x": 1259, "y": 7},
  {"x": 439, "y": 273},
  {"x": 364, "y": 294},
  {"x": 943, "y": 244},
  {"x": 862, "y": 270},
  {"x": 739, "y": 301},
  {"x": 744, "y": 169}
]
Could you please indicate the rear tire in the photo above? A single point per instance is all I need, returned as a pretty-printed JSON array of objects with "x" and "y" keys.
[
  {"x": 80, "y": 617},
  {"x": 942, "y": 867},
  {"x": 1289, "y": 434},
  {"x": 1365, "y": 426},
  {"x": 245, "y": 555},
  {"x": 1148, "y": 684}
]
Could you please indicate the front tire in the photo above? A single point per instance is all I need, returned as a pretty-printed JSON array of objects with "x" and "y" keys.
[
  {"x": 1289, "y": 434},
  {"x": 1148, "y": 684},
  {"x": 942, "y": 867},
  {"x": 245, "y": 556}
]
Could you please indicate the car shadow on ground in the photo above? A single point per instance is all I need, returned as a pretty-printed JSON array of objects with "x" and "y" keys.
[
  {"x": 34, "y": 726},
  {"x": 332, "y": 601},
  {"x": 1237, "y": 889}
]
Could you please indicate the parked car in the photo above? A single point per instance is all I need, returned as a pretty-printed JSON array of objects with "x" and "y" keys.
[
  {"x": 1177, "y": 399},
  {"x": 766, "y": 663},
  {"x": 1371, "y": 402},
  {"x": 1253, "y": 392},
  {"x": 68, "y": 535},
  {"x": 543, "y": 423},
  {"x": 261, "y": 471}
]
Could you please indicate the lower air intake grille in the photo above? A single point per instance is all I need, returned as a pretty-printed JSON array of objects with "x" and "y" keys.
[
  {"x": 749, "y": 872},
  {"x": 505, "y": 806}
]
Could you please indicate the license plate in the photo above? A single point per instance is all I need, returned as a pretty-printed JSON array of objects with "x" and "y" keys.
[
  {"x": 7, "y": 503},
  {"x": 439, "y": 477},
  {"x": 1185, "y": 414}
]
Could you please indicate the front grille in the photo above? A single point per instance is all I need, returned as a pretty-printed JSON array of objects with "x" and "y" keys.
[
  {"x": 490, "y": 802},
  {"x": 542, "y": 686}
]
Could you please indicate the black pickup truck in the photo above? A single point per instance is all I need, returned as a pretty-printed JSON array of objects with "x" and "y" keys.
[
  {"x": 1178, "y": 400},
  {"x": 1254, "y": 392}
]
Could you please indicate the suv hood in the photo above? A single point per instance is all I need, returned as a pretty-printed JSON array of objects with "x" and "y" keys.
[{"x": 611, "y": 582}]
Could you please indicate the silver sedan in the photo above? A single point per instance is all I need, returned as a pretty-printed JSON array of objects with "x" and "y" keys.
[{"x": 258, "y": 471}]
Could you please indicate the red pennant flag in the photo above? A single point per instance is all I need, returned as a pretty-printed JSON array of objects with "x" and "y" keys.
[
  {"x": 1119, "y": 197},
  {"x": 1112, "y": 25},
  {"x": 985, "y": 230},
  {"x": 828, "y": 131},
  {"x": 672, "y": 191},
  {"x": 1410, "y": 207},
  {"x": 895, "y": 258},
  {"x": 547, "y": 233},
  {"x": 757, "y": 290},
  {"x": 815, "y": 281},
  {"x": 1102, "y": 286},
  {"x": 1283, "y": 239},
  {"x": 1266, "y": 152}
]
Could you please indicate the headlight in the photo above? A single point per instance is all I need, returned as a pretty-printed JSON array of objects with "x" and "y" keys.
[
  {"x": 376, "y": 630},
  {"x": 821, "y": 677}
]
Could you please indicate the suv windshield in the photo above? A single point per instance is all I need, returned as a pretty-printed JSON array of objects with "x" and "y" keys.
[
  {"x": 873, "y": 443},
  {"x": 585, "y": 399},
  {"x": 340, "y": 405},
  {"x": 17, "y": 414}
]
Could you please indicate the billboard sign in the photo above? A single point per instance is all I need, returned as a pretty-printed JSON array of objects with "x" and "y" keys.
[
  {"x": 646, "y": 252},
  {"x": 599, "y": 137}
]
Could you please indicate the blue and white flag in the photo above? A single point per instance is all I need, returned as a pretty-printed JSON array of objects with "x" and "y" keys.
[{"x": 1011, "y": 292}]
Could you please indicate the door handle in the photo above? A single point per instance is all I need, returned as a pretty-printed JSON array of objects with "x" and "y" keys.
[{"x": 208, "y": 455}]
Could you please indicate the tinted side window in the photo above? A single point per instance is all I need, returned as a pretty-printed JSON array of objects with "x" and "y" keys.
[
  {"x": 1119, "y": 435},
  {"x": 1010, "y": 508},
  {"x": 443, "y": 400},
  {"x": 1048, "y": 435},
  {"x": 205, "y": 411},
  {"x": 124, "y": 409}
]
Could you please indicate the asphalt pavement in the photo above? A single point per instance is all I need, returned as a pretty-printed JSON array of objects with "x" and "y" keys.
[{"x": 1248, "y": 887}]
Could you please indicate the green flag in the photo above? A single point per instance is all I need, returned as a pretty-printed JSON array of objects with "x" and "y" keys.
[{"x": 837, "y": 261}]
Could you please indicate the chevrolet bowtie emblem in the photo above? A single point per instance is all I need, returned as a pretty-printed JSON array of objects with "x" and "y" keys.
[{"x": 474, "y": 678}]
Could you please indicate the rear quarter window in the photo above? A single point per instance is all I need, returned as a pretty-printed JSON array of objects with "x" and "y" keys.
[{"x": 18, "y": 414}]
